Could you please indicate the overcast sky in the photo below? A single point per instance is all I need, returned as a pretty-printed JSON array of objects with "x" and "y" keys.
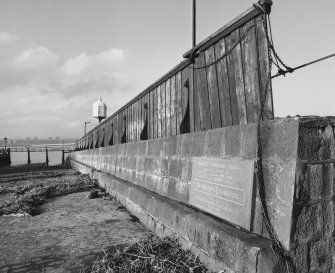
[{"x": 58, "y": 56}]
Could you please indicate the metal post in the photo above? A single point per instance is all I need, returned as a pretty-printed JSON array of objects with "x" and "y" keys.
[
  {"x": 8, "y": 156},
  {"x": 5, "y": 139},
  {"x": 86, "y": 122},
  {"x": 63, "y": 157},
  {"x": 194, "y": 23},
  {"x": 28, "y": 156},
  {"x": 46, "y": 157}
]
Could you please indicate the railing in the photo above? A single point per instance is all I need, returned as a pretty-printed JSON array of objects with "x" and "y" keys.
[{"x": 220, "y": 84}]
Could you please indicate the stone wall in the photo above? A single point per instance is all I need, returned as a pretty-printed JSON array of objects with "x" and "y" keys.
[{"x": 153, "y": 179}]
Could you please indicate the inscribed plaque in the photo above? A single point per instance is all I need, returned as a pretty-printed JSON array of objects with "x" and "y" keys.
[{"x": 223, "y": 188}]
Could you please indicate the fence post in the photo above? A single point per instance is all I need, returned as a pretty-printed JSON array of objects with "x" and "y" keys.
[
  {"x": 63, "y": 158},
  {"x": 8, "y": 156},
  {"x": 46, "y": 157},
  {"x": 28, "y": 155}
]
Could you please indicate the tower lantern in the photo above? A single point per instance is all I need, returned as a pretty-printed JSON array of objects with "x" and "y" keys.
[{"x": 99, "y": 110}]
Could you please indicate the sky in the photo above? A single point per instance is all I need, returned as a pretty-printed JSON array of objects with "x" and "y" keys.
[{"x": 58, "y": 56}]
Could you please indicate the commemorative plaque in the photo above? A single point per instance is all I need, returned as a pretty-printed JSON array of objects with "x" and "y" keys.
[{"x": 223, "y": 188}]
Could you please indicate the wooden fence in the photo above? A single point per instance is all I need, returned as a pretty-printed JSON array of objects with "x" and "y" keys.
[{"x": 220, "y": 83}]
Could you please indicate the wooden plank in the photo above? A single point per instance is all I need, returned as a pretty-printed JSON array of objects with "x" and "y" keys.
[
  {"x": 146, "y": 112},
  {"x": 250, "y": 67},
  {"x": 119, "y": 127},
  {"x": 262, "y": 46},
  {"x": 132, "y": 123},
  {"x": 214, "y": 101},
  {"x": 138, "y": 120},
  {"x": 179, "y": 112},
  {"x": 158, "y": 118},
  {"x": 173, "y": 116},
  {"x": 163, "y": 110},
  {"x": 124, "y": 124},
  {"x": 151, "y": 113},
  {"x": 168, "y": 106},
  {"x": 236, "y": 81},
  {"x": 223, "y": 83},
  {"x": 204, "y": 120},
  {"x": 190, "y": 71}
]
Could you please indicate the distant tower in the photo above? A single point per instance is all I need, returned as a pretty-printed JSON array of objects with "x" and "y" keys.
[{"x": 99, "y": 110}]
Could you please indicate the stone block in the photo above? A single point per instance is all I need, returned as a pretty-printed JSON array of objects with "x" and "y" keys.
[
  {"x": 300, "y": 258},
  {"x": 280, "y": 214},
  {"x": 193, "y": 144},
  {"x": 131, "y": 148},
  {"x": 215, "y": 138},
  {"x": 175, "y": 168},
  {"x": 232, "y": 145},
  {"x": 316, "y": 140},
  {"x": 155, "y": 147},
  {"x": 171, "y": 147},
  {"x": 307, "y": 223},
  {"x": 320, "y": 254},
  {"x": 328, "y": 215},
  {"x": 141, "y": 148},
  {"x": 280, "y": 139},
  {"x": 279, "y": 180},
  {"x": 164, "y": 167}
]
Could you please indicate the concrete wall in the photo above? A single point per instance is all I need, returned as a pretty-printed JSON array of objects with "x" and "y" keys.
[{"x": 152, "y": 178}]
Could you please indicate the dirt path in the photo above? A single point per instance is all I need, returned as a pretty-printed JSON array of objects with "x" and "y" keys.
[{"x": 70, "y": 233}]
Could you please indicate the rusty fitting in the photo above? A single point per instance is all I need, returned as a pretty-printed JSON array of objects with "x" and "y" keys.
[{"x": 266, "y": 4}]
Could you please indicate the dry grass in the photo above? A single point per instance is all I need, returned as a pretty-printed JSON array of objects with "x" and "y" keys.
[
  {"x": 151, "y": 255},
  {"x": 28, "y": 199}
]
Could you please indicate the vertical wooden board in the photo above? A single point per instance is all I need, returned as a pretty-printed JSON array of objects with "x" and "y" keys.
[
  {"x": 110, "y": 131},
  {"x": 250, "y": 67},
  {"x": 263, "y": 61},
  {"x": 159, "y": 112},
  {"x": 183, "y": 93},
  {"x": 133, "y": 122},
  {"x": 168, "y": 106},
  {"x": 204, "y": 122},
  {"x": 223, "y": 83},
  {"x": 146, "y": 111},
  {"x": 179, "y": 112},
  {"x": 163, "y": 110},
  {"x": 141, "y": 114},
  {"x": 106, "y": 138},
  {"x": 129, "y": 123},
  {"x": 139, "y": 121},
  {"x": 136, "y": 120},
  {"x": 151, "y": 114},
  {"x": 190, "y": 70},
  {"x": 119, "y": 126},
  {"x": 155, "y": 112},
  {"x": 173, "y": 116},
  {"x": 124, "y": 123},
  {"x": 235, "y": 71},
  {"x": 214, "y": 101}
]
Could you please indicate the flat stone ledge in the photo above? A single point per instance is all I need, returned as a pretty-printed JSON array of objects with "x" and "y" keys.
[{"x": 219, "y": 245}]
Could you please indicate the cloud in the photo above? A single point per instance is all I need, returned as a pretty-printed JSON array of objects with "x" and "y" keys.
[
  {"x": 83, "y": 62},
  {"x": 6, "y": 37},
  {"x": 43, "y": 95},
  {"x": 35, "y": 58}
]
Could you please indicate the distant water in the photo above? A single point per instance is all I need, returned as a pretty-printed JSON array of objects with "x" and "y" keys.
[{"x": 19, "y": 158}]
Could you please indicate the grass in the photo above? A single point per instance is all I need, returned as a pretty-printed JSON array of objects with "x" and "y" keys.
[
  {"x": 150, "y": 255},
  {"x": 28, "y": 199}
]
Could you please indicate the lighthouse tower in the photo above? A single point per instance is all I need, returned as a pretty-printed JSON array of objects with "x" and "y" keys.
[{"x": 99, "y": 110}]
